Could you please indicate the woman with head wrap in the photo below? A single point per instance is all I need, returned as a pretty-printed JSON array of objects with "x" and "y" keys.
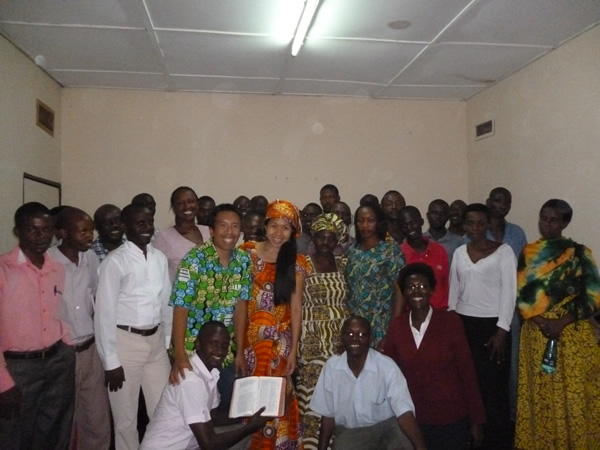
[
  {"x": 272, "y": 327},
  {"x": 324, "y": 311}
]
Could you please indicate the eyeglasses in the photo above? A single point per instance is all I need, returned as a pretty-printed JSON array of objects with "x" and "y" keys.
[
  {"x": 359, "y": 334},
  {"x": 420, "y": 286}
]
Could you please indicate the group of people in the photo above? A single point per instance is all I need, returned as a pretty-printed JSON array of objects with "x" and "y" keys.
[{"x": 389, "y": 336}]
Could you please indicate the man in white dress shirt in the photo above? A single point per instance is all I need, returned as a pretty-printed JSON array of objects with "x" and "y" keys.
[
  {"x": 363, "y": 396},
  {"x": 91, "y": 421},
  {"x": 133, "y": 323}
]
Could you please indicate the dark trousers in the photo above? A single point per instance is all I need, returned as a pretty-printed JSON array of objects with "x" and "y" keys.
[
  {"x": 453, "y": 436},
  {"x": 493, "y": 381},
  {"x": 48, "y": 389}
]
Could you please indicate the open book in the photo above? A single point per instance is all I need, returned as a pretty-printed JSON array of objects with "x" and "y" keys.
[{"x": 252, "y": 393}]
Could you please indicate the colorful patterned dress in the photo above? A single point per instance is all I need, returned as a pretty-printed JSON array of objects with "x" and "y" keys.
[
  {"x": 323, "y": 313},
  {"x": 267, "y": 347},
  {"x": 560, "y": 410},
  {"x": 371, "y": 275}
]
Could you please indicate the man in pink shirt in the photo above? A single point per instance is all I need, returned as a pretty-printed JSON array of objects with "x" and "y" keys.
[{"x": 37, "y": 360}]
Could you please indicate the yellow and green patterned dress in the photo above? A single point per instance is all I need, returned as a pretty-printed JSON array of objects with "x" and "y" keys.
[
  {"x": 560, "y": 410},
  {"x": 323, "y": 313}
]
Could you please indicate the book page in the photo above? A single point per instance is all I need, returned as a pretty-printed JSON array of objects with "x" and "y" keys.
[
  {"x": 269, "y": 396},
  {"x": 243, "y": 402}
]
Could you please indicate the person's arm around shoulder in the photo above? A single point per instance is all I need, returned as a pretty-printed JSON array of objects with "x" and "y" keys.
[{"x": 207, "y": 438}]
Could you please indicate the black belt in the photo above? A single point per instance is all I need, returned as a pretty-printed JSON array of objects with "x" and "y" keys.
[
  {"x": 85, "y": 344},
  {"x": 36, "y": 354},
  {"x": 149, "y": 332}
]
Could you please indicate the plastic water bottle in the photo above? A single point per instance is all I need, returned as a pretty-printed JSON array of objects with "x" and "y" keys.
[{"x": 550, "y": 356}]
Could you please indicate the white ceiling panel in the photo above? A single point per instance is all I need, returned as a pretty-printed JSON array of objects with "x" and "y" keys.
[
  {"x": 337, "y": 88},
  {"x": 369, "y": 19},
  {"x": 87, "y": 49},
  {"x": 442, "y": 49},
  {"x": 348, "y": 60},
  {"x": 120, "y": 80},
  {"x": 467, "y": 64},
  {"x": 224, "y": 55},
  {"x": 265, "y": 17},
  {"x": 118, "y": 13},
  {"x": 223, "y": 84},
  {"x": 528, "y": 22}
]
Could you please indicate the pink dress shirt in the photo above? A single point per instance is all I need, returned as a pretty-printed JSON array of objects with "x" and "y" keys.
[{"x": 29, "y": 301}]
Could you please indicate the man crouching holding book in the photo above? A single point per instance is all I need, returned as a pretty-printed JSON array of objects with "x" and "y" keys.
[{"x": 182, "y": 419}]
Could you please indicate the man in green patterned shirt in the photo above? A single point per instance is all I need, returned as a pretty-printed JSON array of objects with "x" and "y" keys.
[{"x": 209, "y": 282}]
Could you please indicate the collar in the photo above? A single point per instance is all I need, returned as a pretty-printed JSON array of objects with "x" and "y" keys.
[{"x": 201, "y": 369}]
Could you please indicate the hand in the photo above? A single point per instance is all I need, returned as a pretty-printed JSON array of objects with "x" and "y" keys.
[
  {"x": 177, "y": 370},
  {"x": 497, "y": 346},
  {"x": 240, "y": 365},
  {"x": 476, "y": 435},
  {"x": 551, "y": 328},
  {"x": 257, "y": 421},
  {"x": 10, "y": 403},
  {"x": 114, "y": 378},
  {"x": 291, "y": 364}
]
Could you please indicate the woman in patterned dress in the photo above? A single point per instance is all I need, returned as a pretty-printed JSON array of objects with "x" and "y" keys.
[
  {"x": 324, "y": 311},
  {"x": 558, "y": 291},
  {"x": 274, "y": 316},
  {"x": 372, "y": 270}
]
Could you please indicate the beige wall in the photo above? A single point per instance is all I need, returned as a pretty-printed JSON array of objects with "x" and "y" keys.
[
  {"x": 119, "y": 143},
  {"x": 547, "y": 141},
  {"x": 24, "y": 147}
]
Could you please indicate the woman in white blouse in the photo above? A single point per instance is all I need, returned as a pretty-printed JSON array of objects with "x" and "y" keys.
[{"x": 483, "y": 292}]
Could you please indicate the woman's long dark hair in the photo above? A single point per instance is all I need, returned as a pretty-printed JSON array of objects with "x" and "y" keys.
[{"x": 285, "y": 271}]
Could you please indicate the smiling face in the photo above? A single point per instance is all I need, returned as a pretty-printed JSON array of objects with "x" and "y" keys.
[
  {"x": 242, "y": 203},
  {"x": 355, "y": 338},
  {"x": 278, "y": 232},
  {"x": 110, "y": 227},
  {"x": 185, "y": 205},
  {"x": 457, "y": 212},
  {"x": 417, "y": 292},
  {"x": 212, "y": 347},
  {"x": 411, "y": 224},
  {"x": 226, "y": 230},
  {"x": 35, "y": 235},
  {"x": 139, "y": 227}
]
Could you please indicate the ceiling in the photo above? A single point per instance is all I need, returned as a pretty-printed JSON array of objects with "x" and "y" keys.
[{"x": 427, "y": 49}]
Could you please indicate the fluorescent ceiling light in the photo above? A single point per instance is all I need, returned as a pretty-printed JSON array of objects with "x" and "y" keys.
[{"x": 310, "y": 7}]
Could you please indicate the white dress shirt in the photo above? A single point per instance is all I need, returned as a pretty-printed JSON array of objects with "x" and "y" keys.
[
  {"x": 133, "y": 290},
  {"x": 379, "y": 393},
  {"x": 81, "y": 280},
  {"x": 487, "y": 288},
  {"x": 182, "y": 405},
  {"x": 419, "y": 334}
]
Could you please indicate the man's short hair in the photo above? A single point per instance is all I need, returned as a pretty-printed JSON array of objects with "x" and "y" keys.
[
  {"x": 220, "y": 208},
  {"x": 130, "y": 210},
  {"x": 67, "y": 216},
  {"x": 330, "y": 187},
  {"x": 360, "y": 319},
  {"x": 28, "y": 210}
]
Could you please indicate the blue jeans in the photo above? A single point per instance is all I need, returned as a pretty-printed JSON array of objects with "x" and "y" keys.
[{"x": 48, "y": 389}]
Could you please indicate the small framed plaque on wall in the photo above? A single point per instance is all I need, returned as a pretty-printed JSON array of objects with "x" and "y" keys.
[{"x": 45, "y": 117}]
